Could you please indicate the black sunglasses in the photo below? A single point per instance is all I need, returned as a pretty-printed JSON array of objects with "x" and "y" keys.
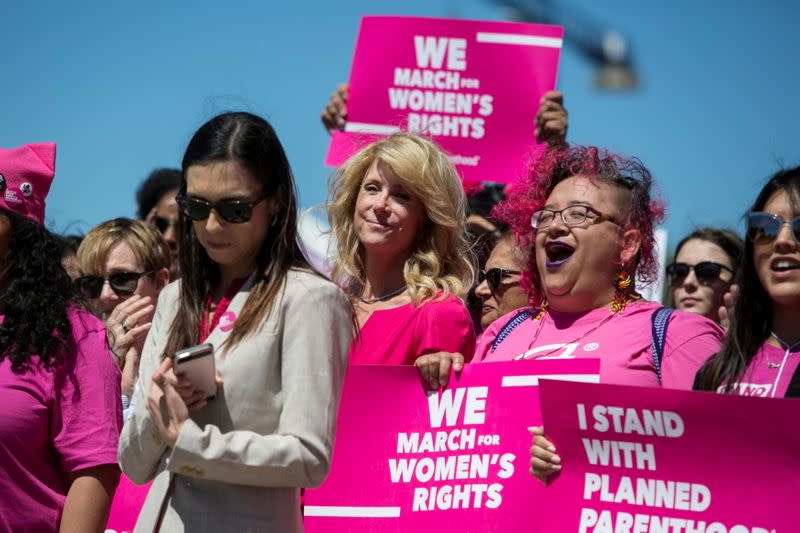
[
  {"x": 763, "y": 228},
  {"x": 163, "y": 224},
  {"x": 494, "y": 276},
  {"x": 706, "y": 272},
  {"x": 122, "y": 283},
  {"x": 233, "y": 211}
]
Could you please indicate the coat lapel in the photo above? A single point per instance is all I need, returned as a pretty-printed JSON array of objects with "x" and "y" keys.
[{"x": 223, "y": 329}]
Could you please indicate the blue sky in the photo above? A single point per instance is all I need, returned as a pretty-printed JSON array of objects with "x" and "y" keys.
[{"x": 122, "y": 86}]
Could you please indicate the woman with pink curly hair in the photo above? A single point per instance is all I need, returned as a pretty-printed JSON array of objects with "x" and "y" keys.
[{"x": 589, "y": 217}]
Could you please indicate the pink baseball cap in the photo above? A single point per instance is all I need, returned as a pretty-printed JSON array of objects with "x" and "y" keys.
[{"x": 26, "y": 173}]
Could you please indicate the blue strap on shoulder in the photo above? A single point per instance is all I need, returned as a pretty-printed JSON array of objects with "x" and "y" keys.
[
  {"x": 510, "y": 326},
  {"x": 660, "y": 320}
]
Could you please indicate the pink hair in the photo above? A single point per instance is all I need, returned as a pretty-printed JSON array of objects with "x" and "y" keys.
[{"x": 642, "y": 212}]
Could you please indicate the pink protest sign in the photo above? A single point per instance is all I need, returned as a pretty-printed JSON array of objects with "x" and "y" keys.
[
  {"x": 406, "y": 460},
  {"x": 126, "y": 505},
  {"x": 473, "y": 86},
  {"x": 645, "y": 460}
]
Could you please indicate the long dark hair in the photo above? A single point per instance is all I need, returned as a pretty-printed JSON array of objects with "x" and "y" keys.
[
  {"x": 250, "y": 141},
  {"x": 751, "y": 319},
  {"x": 37, "y": 297}
]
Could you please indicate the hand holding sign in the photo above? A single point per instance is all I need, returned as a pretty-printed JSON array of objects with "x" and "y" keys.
[
  {"x": 473, "y": 86},
  {"x": 434, "y": 368},
  {"x": 544, "y": 460},
  {"x": 334, "y": 116},
  {"x": 551, "y": 120}
]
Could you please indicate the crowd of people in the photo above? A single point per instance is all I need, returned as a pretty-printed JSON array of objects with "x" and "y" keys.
[{"x": 421, "y": 274}]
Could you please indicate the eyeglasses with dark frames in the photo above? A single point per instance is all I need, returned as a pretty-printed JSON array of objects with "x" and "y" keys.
[
  {"x": 122, "y": 283},
  {"x": 706, "y": 272},
  {"x": 233, "y": 211},
  {"x": 494, "y": 277},
  {"x": 763, "y": 228},
  {"x": 574, "y": 215}
]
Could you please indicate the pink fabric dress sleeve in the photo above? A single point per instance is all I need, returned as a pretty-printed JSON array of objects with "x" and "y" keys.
[
  {"x": 87, "y": 412},
  {"x": 691, "y": 340},
  {"x": 446, "y": 326}
]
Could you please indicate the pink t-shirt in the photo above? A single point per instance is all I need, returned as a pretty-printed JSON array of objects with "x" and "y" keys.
[
  {"x": 769, "y": 373},
  {"x": 623, "y": 343},
  {"x": 399, "y": 335},
  {"x": 53, "y": 422}
]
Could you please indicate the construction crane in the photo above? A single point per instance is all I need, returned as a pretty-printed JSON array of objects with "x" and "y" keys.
[{"x": 606, "y": 47}]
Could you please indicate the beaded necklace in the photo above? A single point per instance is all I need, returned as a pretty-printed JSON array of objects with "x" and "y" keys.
[
  {"x": 543, "y": 313},
  {"x": 205, "y": 327}
]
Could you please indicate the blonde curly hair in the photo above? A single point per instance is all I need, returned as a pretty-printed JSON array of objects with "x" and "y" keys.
[{"x": 442, "y": 261}]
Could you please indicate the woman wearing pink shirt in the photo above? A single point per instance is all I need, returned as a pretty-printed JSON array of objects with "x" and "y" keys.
[
  {"x": 397, "y": 214},
  {"x": 59, "y": 385},
  {"x": 761, "y": 352},
  {"x": 589, "y": 217}
]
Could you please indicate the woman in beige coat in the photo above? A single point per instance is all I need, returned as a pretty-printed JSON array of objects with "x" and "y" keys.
[{"x": 280, "y": 335}]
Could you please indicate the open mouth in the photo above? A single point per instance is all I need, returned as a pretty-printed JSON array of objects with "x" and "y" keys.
[
  {"x": 784, "y": 265},
  {"x": 558, "y": 253}
]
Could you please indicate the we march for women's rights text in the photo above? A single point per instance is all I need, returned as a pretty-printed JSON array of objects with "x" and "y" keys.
[
  {"x": 434, "y": 91},
  {"x": 446, "y": 476}
]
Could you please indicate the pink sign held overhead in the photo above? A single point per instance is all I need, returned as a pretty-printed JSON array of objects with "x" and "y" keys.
[
  {"x": 456, "y": 460},
  {"x": 473, "y": 86},
  {"x": 646, "y": 460}
]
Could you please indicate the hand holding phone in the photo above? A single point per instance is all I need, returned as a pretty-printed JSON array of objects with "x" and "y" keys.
[{"x": 197, "y": 365}]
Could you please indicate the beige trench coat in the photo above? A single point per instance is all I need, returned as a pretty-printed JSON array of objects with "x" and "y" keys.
[{"x": 239, "y": 463}]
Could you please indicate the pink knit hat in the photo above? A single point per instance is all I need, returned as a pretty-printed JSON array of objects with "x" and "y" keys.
[{"x": 26, "y": 174}]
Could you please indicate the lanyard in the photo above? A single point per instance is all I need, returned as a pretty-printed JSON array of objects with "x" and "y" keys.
[{"x": 222, "y": 307}]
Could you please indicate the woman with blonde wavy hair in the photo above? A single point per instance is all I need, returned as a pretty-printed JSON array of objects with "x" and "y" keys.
[{"x": 398, "y": 215}]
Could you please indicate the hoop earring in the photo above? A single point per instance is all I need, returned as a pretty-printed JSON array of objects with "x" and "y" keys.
[
  {"x": 273, "y": 220},
  {"x": 623, "y": 287}
]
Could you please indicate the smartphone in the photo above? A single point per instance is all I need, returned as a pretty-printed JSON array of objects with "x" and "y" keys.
[{"x": 197, "y": 365}]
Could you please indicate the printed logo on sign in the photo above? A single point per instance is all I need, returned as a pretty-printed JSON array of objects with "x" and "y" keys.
[{"x": 760, "y": 390}]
